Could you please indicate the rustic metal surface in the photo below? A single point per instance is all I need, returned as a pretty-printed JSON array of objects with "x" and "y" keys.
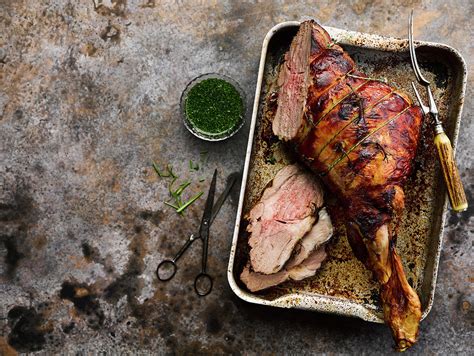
[
  {"x": 343, "y": 285},
  {"x": 89, "y": 95}
]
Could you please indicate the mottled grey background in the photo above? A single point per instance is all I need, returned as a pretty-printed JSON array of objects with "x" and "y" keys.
[{"x": 89, "y": 95}]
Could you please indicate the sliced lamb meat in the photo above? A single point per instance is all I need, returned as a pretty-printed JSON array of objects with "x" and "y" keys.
[
  {"x": 294, "y": 82},
  {"x": 318, "y": 235},
  {"x": 302, "y": 264},
  {"x": 309, "y": 266},
  {"x": 284, "y": 214},
  {"x": 259, "y": 281}
]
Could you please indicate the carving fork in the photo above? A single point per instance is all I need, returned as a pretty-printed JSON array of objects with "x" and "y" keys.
[{"x": 456, "y": 193}]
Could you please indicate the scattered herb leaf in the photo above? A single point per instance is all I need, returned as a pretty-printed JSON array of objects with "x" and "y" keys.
[
  {"x": 159, "y": 172},
  {"x": 162, "y": 174},
  {"x": 171, "y": 205},
  {"x": 193, "y": 166},
  {"x": 271, "y": 160},
  {"x": 189, "y": 202},
  {"x": 170, "y": 171},
  {"x": 181, "y": 188},
  {"x": 360, "y": 104},
  {"x": 172, "y": 193},
  {"x": 170, "y": 186},
  {"x": 176, "y": 201}
]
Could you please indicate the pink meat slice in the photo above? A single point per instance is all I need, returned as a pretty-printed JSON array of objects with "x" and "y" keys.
[
  {"x": 258, "y": 281},
  {"x": 293, "y": 81},
  {"x": 284, "y": 214},
  {"x": 318, "y": 235}
]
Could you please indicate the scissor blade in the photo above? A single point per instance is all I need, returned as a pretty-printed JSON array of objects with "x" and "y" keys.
[
  {"x": 206, "y": 216},
  {"x": 231, "y": 179}
]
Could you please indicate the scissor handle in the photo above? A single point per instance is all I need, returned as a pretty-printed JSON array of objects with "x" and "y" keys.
[
  {"x": 166, "y": 270},
  {"x": 170, "y": 265},
  {"x": 203, "y": 284}
]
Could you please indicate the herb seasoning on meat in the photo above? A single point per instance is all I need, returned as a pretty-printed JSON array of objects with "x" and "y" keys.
[{"x": 214, "y": 107}]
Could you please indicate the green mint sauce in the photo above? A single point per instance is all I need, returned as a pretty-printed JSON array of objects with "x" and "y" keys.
[{"x": 214, "y": 106}]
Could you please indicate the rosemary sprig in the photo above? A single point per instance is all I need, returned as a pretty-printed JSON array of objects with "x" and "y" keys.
[
  {"x": 176, "y": 194},
  {"x": 360, "y": 104},
  {"x": 189, "y": 202},
  {"x": 182, "y": 187}
]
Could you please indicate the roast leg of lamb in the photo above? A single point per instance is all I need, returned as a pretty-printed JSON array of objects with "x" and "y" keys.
[{"x": 360, "y": 136}]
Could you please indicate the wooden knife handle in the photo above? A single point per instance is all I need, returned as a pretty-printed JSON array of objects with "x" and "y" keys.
[{"x": 457, "y": 197}]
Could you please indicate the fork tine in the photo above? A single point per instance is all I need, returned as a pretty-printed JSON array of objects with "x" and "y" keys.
[
  {"x": 410, "y": 43},
  {"x": 414, "y": 61},
  {"x": 424, "y": 108}
]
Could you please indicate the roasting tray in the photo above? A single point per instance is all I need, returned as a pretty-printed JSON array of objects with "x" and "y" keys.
[{"x": 343, "y": 285}]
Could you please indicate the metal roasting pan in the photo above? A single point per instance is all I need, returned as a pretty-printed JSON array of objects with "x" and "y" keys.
[{"x": 343, "y": 285}]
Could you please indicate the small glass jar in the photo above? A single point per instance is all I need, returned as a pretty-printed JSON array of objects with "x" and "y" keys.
[{"x": 193, "y": 128}]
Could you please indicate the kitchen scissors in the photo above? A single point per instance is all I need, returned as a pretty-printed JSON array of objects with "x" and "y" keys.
[{"x": 203, "y": 282}]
